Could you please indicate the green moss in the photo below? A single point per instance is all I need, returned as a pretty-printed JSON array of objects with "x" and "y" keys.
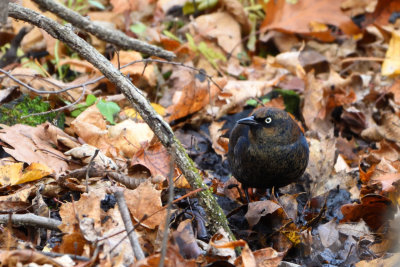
[{"x": 14, "y": 112}]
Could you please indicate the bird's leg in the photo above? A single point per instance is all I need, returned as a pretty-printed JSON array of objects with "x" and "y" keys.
[
  {"x": 276, "y": 193},
  {"x": 261, "y": 192},
  {"x": 268, "y": 193},
  {"x": 246, "y": 192},
  {"x": 273, "y": 194}
]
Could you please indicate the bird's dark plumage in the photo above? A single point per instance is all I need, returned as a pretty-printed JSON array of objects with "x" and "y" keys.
[{"x": 267, "y": 149}]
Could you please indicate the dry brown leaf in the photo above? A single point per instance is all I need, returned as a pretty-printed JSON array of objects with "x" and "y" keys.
[
  {"x": 259, "y": 209},
  {"x": 302, "y": 17},
  {"x": 193, "y": 98},
  {"x": 107, "y": 16},
  {"x": 154, "y": 157},
  {"x": 165, "y": 5},
  {"x": 247, "y": 258},
  {"x": 138, "y": 72},
  {"x": 34, "y": 144},
  {"x": 91, "y": 127},
  {"x": 129, "y": 137},
  {"x": 72, "y": 243},
  {"x": 392, "y": 260},
  {"x": 390, "y": 127},
  {"x": 314, "y": 101},
  {"x": 221, "y": 245},
  {"x": 236, "y": 9},
  {"x": 329, "y": 234},
  {"x": 20, "y": 195},
  {"x": 395, "y": 90},
  {"x": 173, "y": 258},
  {"x": 110, "y": 227},
  {"x": 322, "y": 158},
  {"x": 383, "y": 10},
  {"x": 146, "y": 200},
  {"x": 85, "y": 152},
  {"x": 387, "y": 181},
  {"x": 289, "y": 205},
  {"x": 185, "y": 239},
  {"x": 375, "y": 210},
  {"x": 291, "y": 62},
  {"x": 223, "y": 27},
  {"x": 120, "y": 6},
  {"x": 219, "y": 143},
  {"x": 235, "y": 93},
  {"x": 78, "y": 65},
  {"x": 26, "y": 256},
  {"x": 268, "y": 257},
  {"x": 357, "y": 7},
  {"x": 72, "y": 212}
]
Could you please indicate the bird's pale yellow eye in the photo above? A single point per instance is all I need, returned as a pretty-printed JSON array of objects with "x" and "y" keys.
[{"x": 268, "y": 120}]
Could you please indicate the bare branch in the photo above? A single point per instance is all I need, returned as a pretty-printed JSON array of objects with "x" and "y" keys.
[
  {"x": 31, "y": 220},
  {"x": 108, "y": 35}
]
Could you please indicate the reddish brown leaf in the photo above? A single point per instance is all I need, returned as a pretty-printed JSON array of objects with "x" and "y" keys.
[
  {"x": 374, "y": 210},
  {"x": 300, "y": 18}
]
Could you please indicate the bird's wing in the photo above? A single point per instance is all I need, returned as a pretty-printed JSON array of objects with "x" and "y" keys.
[{"x": 241, "y": 146}]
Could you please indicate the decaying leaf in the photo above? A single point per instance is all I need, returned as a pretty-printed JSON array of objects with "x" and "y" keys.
[
  {"x": 34, "y": 144},
  {"x": 145, "y": 201}
]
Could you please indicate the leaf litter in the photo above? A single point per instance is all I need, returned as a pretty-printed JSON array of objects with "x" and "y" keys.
[{"x": 333, "y": 65}]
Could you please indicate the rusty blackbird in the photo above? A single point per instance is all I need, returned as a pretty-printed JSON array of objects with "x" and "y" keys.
[{"x": 267, "y": 149}]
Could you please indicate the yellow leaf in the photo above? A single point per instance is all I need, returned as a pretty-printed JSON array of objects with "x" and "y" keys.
[
  {"x": 13, "y": 174},
  {"x": 34, "y": 172},
  {"x": 391, "y": 64},
  {"x": 293, "y": 236},
  {"x": 315, "y": 26},
  {"x": 9, "y": 173},
  {"x": 131, "y": 113}
]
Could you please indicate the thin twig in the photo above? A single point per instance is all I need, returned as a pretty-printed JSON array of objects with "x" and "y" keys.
[
  {"x": 351, "y": 59},
  {"x": 168, "y": 217},
  {"x": 60, "y": 108},
  {"x": 89, "y": 167},
  {"x": 56, "y": 255},
  {"x": 126, "y": 217},
  {"x": 95, "y": 80}
]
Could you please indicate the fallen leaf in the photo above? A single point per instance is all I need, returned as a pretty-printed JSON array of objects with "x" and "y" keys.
[
  {"x": 146, "y": 201},
  {"x": 85, "y": 153},
  {"x": 185, "y": 239},
  {"x": 219, "y": 143},
  {"x": 13, "y": 174},
  {"x": 139, "y": 71},
  {"x": 193, "y": 97},
  {"x": 357, "y": 230},
  {"x": 392, "y": 260},
  {"x": 128, "y": 137},
  {"x": 299, "y": 18},
  {"x": 259, "y": 209},
  {"x": 35, "y": 144},
  {"x": 374, "y": 210},
  {"x": 223, "y": 27},
  {"x": 328, "y": 233},
  {"x": 391, "y": 64}
]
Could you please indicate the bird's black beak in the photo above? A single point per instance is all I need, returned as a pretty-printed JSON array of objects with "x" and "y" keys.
[{"x": 248, "y": 121}]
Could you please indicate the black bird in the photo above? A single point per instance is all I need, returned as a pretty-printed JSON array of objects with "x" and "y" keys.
[{"x": 267, "y": 149}]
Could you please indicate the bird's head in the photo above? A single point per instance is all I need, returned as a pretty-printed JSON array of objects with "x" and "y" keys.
[{"x": 272, "y": 125}]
